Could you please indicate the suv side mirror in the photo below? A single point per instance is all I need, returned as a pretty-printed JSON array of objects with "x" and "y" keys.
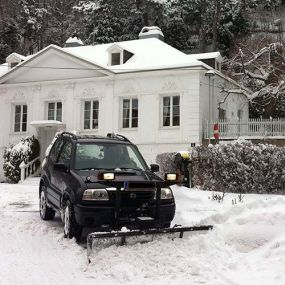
[
  {"x": 154, "y": 167},
  {"x": 59, "y": 166}
]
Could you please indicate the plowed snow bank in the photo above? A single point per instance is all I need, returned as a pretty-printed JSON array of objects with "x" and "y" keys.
[{"x": 247, "y": 245}]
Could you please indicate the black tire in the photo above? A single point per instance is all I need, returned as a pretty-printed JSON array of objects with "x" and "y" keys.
[
  {"x": 71, "y": 228},
  {"x": 167, "y": 225},
  {"x": 46, "y": 213}
]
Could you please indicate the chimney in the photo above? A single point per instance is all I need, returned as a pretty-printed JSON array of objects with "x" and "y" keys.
[
  {"x": 73, "y": 41},
  {"x": 151, "y": 32}
]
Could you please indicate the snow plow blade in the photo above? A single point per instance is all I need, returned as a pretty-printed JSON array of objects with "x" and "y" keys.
[{"x": 101, "y": 240}]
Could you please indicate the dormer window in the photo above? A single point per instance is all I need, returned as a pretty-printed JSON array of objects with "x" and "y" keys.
[
  {"x": 118, "y": 55},
  {"x": 14, "y": 59},
  {"x": 13, "y": 64},
  {"x": 115, "y": 58}
]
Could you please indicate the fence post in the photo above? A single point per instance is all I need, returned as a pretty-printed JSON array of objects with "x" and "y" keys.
[{"x": 22, "y": 168}]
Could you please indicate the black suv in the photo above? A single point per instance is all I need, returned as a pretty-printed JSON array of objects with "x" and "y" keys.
[{"x": 103, "y": 183}]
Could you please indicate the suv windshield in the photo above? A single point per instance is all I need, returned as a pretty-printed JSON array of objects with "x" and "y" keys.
[{"x": 108, "y": 156}]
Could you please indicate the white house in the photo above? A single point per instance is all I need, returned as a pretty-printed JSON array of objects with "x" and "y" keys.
[{"x": 144, "y": 89}]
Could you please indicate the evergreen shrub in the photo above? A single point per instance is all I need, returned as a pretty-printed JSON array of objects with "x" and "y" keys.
[
  {"x": 240, "y": 167},
  {"x": 27, "y": 149}
]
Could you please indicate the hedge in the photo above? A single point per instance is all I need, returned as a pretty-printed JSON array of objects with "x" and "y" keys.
[{"x": 239, "y": 167}]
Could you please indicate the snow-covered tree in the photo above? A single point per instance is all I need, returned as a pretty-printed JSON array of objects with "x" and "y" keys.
[
  {"x": 25, "y": 151},
  {"x": 206, "y": 24},
  {"x": 260, "y": 67},
  {"x": 108, "y": 21},
  {"x": 10, "y": 38},
  {"x": 32, "y": 19}
]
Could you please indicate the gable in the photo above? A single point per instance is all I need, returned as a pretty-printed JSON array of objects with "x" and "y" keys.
[{"x": 52, "y": 64}]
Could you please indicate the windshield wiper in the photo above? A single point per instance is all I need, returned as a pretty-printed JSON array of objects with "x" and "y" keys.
[
  {"x": 95, "y": 168},
  {"x": 130, "y": 168}
]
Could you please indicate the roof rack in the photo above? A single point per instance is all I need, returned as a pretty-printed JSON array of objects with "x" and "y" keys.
[
  {"x": 117, "y": 136},
  {"x": 69, "y": 135}
]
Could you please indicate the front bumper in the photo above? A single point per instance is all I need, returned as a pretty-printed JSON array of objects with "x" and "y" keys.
[{"x": 104, "y": 216}]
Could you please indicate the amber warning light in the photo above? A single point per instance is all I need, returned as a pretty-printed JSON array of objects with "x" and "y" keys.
[
  {"x": 106, "y": 176},
  {"x": 170, "y": 177}
]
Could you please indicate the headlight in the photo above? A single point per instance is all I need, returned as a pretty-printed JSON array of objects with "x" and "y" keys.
[
  {"x": 95, "y": 195},
  {"x": 165, "y": 193}
]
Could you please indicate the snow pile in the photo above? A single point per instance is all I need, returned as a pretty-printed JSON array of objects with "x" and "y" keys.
[
  {"x": 250, "y": 226},
  {"x": 246, "y": 246}
]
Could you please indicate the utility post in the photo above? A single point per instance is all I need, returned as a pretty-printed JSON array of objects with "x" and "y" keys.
[{"x": 210, "y": 73}]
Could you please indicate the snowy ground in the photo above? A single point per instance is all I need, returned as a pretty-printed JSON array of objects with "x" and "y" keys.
[{"x": 247, "y": 245}]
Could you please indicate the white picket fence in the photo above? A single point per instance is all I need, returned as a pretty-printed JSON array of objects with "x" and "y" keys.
[{"x": 252, "y": 128}]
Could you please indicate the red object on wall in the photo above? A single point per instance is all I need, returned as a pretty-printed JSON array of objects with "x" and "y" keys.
[{"x": 216, "y": 131}]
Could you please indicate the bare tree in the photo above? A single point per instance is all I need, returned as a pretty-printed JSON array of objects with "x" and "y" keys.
[{"x": 262, "y": 71}]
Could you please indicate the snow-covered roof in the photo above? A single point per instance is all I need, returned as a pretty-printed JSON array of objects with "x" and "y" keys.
[
  {"x": 15, "y": 55},
  {"x": 148, "y": 53},
  {"x": 206, "y": 55},
  {"x": 46, "y": 123},
  {"x": 3, "y": 68}
]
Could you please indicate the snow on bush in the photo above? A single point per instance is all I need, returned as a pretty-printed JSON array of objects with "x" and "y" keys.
[
  {"x": 27, "y": 149},
  {"x": 241, "y": 167},
  {"x": 166, "y": 163}
]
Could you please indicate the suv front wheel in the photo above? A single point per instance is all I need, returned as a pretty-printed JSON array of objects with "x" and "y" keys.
[
  {"x": 71, "y": 228},
  {"x": 46, "y": 212}
]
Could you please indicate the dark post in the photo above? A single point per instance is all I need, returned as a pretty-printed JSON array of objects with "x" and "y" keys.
[
  {"x": 117, "y": 207},
  {"x": 157, "y": 210}
]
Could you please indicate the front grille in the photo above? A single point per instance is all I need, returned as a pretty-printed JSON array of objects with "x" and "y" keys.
[{"x": 133, "y": 198}]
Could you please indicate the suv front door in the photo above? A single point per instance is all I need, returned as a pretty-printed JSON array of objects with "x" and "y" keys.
[
  {"x": 60, "y": 176},
  {"x": 49, "y": 168}
]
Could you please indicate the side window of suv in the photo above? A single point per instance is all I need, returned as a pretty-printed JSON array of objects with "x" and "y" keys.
[
  {"x": 65, "y": 154},
  {"x": 53, "y": 155}
]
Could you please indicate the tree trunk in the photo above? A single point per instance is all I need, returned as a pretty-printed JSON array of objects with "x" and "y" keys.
[
  {"x": 202, "y": 30},
  {"x": 142, "y": 7},
  {"x": 215, "y": 24}
]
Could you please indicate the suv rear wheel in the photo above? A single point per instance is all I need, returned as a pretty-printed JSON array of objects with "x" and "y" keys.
[{"x": 71, "y": 228}]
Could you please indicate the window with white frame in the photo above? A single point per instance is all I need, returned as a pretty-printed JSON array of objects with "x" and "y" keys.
[
  {"x": 170, "y": 111},
  {"x": 55, "y": 111},
  {"x": 130, "y": 113},
  {"x": 91, "y": 114},
  {"x": 115, "y": 58},
  {"x": 21, "y": 116}
]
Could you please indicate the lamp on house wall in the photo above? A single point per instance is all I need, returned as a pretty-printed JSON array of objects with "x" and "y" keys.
[{"x": 210, "y": 73}]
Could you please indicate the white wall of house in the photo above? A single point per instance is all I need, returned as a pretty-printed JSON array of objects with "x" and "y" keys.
[
  {"x": 149, "y": 88},
  {"x": 235, "y": 105},
  {"x": 232, "y": 104},
  {"x": 72, "y": 87}
]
